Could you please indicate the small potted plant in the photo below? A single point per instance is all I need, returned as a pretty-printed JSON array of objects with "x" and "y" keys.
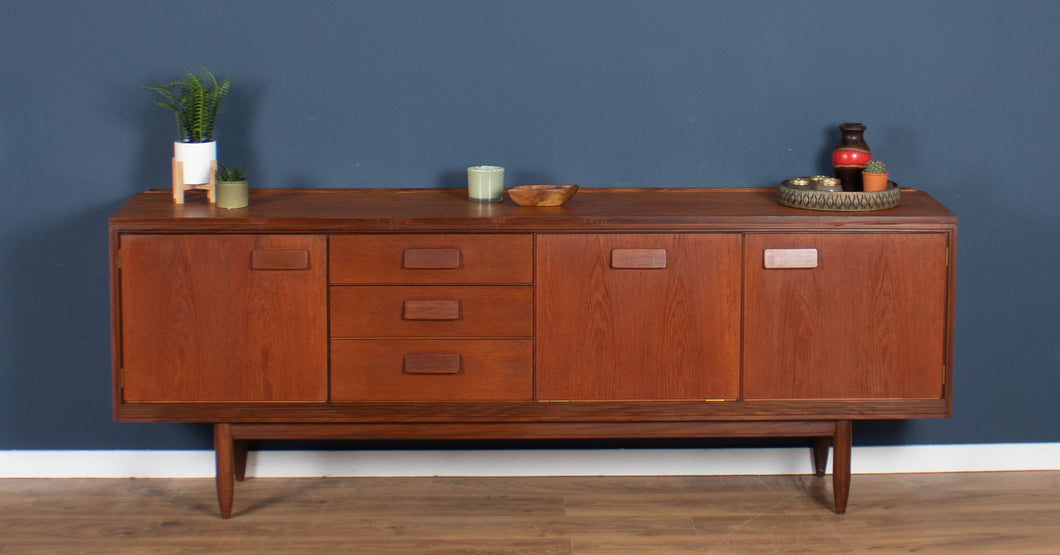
[
  {"x": 195, "y": 101},
  {"x": 874, "y": 176},
  {"x": 232, "y": 191}
]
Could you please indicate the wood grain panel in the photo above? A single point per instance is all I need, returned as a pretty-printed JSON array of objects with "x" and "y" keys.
[
  {"x": 868, "y": 322},
  {"x": 482, "y": 311},
  {"x": 199, "y": 324},
  {"x": 431, "y": 259},
  {"x": 376, "y": 370},
  {"x": 608, "y": 334}
]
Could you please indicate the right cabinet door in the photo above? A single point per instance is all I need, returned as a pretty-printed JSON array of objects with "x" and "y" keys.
[
  {"x": 845, "y": 315},
  {"x": 637, "y": 317}
]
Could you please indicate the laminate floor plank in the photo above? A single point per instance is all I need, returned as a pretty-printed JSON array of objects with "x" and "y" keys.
[{"x": 1006, "y": 512}]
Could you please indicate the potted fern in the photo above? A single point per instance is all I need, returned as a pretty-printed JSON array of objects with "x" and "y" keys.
[
  {"x": 232, "y": 190},
  {"x": 874, "y": 176},
  {"x": 195, "y": 102}
]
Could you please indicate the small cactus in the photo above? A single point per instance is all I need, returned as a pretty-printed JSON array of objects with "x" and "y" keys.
[{"x": 875, "y": 166}]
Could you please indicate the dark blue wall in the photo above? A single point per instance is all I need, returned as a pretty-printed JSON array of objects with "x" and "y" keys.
[{"x": 960, "y": 96}]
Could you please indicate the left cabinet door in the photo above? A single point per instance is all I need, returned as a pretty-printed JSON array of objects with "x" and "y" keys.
[{"x": 223, "y": 318}]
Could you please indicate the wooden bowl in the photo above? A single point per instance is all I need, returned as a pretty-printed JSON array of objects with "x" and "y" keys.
[{"x": 542, "y": 195}]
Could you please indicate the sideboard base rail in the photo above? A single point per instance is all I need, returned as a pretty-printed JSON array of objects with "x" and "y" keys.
[{"x": 230, "y": 440}]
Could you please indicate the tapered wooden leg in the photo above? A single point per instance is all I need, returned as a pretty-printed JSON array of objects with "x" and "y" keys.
[
  {"x": 820, "y": 455},
  {"x": 240, "y": 453},
  {"x": 841, "y": 464},
  {"x": 224, "y": 448}
]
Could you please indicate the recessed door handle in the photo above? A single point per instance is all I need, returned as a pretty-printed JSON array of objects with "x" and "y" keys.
[
  {"x": 279, "y": 259},
  {"x": 431, "y": 363},
  {"x": 431, "y": 309},
  {"x": 647, "y": 259},
  {"x": 431, "y": 259},
  {"x": 790, "y": 258}
]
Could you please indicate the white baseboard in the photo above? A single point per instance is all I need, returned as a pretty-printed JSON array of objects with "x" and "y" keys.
[{"x": 544, "y": 462}]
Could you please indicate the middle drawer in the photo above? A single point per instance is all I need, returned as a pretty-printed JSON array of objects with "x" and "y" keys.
[{"x": 359, "y": 311}]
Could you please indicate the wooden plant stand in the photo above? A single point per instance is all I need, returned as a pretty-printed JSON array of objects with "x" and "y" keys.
[{"x": 179, "y": 186}]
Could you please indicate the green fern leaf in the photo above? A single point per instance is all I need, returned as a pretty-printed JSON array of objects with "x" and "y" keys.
[{"x": 195, "y": 104}]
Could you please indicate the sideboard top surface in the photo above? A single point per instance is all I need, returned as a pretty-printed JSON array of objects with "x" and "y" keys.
[{"x": 592, "y": 209}]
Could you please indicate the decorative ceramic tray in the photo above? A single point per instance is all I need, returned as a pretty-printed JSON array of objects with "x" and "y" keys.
[{"x": 800, "y": 192}]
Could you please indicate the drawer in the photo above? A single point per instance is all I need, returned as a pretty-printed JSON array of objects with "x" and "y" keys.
[
  {"x": 432, "y": 311},
  {"x": 431, "y": 370},
  {"x": 431, "y": 259}
]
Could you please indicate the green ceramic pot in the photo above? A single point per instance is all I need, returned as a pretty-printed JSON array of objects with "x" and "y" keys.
[{"x": 232, "y": 194}]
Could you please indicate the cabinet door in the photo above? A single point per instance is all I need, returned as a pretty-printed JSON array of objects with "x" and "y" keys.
[
  {"x": 847, "y": 315},
  {"x": 223, "y": 318},
  {"x": 637, "y": 317}
]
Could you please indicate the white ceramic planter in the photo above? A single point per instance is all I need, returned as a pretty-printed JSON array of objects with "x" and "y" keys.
[{"x": 196, "y": 158}]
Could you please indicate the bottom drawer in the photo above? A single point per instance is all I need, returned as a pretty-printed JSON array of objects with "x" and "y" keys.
[{"x": 432, "y": 370}]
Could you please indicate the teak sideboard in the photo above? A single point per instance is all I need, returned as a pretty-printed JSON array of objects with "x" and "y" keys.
[{"x": 405, "y": 314}]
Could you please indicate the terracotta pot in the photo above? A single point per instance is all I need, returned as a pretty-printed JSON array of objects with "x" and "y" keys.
[{"x": 874, "y": 181}]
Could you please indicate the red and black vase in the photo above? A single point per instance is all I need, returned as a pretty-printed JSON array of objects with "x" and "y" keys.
[{"x": 850, "y": 156}]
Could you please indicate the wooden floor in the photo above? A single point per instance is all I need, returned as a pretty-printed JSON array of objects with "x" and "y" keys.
[{"x": 1007, "y": 512}]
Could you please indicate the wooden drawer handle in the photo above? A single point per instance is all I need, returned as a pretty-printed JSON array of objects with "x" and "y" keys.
[
  {"x": 431, "y": 259},
  {"x": 431, "y": 363},
  {"x": 279, "y": 259},
  {"x": 442, "y": 309},
  {"x": 638, "y": 258},
  {"x": 790, "y": 258}
]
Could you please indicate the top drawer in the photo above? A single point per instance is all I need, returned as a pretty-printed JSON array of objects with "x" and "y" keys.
[{"x": 431, "y": 259}]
